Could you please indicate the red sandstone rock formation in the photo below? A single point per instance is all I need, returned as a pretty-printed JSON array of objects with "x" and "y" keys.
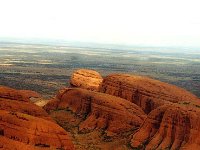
[
  {"x": 174, "y": 126},
  {"x": 33, "y": 131},
  {"x": 23, "y": 107},
  {"x": 8, "y": 144},
  {"x": 99, "y": 110},
  {"x": 24, "y": 125},
  {"x": 20, "y": 95},
  {"x": 145, "y": 92},
  {"x": 30, "y": 94},
  {"x": 173, "y": 120},
  {"x": 86, "y": 79}
]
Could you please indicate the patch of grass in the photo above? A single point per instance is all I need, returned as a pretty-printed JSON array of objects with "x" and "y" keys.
[
  {"x": 186, "y": 103},
  {"x": 197, "y": 106}
]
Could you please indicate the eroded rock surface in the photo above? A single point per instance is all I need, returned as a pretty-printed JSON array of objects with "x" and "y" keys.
[
  {"x": 86, "y": 79},
  {"x": 19, "y": 95},
  {"x": 98, "y": 110},
  {"x": 24, "y": 125},
  {"x": 23, "y": 107},
  {"x": 33, "y": 131},
  {"x": 145, "y": 92},
  {"x": 174, "y": 126},
  {"x": 102, "y": 115},
  {"x": 8, "y": 144}
]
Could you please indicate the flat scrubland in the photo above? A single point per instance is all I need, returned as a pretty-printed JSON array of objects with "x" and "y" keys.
[{"x": 46, "y": 68}]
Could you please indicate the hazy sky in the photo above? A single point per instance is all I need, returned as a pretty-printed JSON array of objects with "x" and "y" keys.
[{"x": 137, "y": 22}]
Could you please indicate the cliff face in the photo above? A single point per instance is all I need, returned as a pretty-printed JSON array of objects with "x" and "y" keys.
[
  {"x": 99, "y": 110},
  {"x": 24, "y": 125},
  {"x": 86, "y": 79},
  {"x": 144, "y": 92},
  {"x": 174, "y": 126}
]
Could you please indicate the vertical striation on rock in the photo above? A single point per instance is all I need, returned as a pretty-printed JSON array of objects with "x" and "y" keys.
[
  {"x": 99, "y": 110},
  {"x": 23, "y": 125},
  {"x": 173, "y": 126},
  {"x": 144, "y": 92}
]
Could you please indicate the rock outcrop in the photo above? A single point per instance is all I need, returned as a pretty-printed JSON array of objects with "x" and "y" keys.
[
  {"x": 19, "y": 95},
  {"x": 98, "y": 110},
  {"x": 24, "y": 125},
  {"x": 145, "y": 92},
  {"x": 8, "y": 144},
  {"x": 86, "y": 79},
  {"x": 23, "y": 107},
  {"x": 33, "y": 131},
  {"x": 110, "y": 114},
  {"x": 174, "y": 126}
]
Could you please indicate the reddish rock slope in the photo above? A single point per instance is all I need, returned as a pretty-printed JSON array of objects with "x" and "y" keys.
[
  {"x": 24, "y": 125},
  {"x": 86, "y": 79},
  {"x": 174, "y": 126},
  {"x": 8, "y": 144},
  {"x": 33, "y": 131},
  {"x": 20, "y": 95},
  {"x": 23, "y": 107},
  {"x": 98, "y": 110},
  {"x": 145, "y": 92}
]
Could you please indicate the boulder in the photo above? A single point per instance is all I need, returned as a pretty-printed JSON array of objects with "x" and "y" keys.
[{"x": 86, "y": 79}]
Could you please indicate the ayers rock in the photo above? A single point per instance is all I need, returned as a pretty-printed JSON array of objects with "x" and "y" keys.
[
  {"x": 145, "y": 92},
  {"x": 24, "y": 125},
  {"x": 86, "y": 79}
]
